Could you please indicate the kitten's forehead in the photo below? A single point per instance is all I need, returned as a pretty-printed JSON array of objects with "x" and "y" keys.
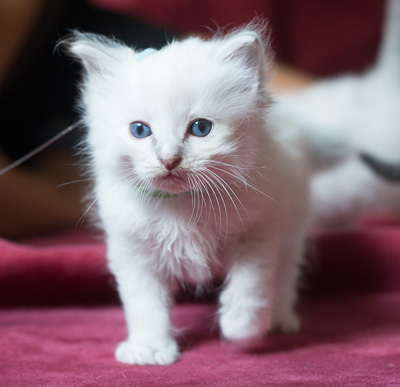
[
  {"x": 180, "y": 79},
  {"x": 189, "y": 52},
  {"x": 189, "y": 63}
]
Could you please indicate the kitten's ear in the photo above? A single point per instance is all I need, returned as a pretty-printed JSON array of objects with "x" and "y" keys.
[
  {"x": 97, "y": 53},
  {"x": 247, "y": 47}
]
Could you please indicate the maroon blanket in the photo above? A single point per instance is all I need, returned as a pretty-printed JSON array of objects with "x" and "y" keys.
[
  {"x": 59, "y": 324},
  {"x": 320, "y": 37}
]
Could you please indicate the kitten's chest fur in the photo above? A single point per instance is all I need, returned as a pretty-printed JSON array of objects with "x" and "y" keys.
[
  {"x": 189, "y": 242},
  {"x": 183, "y": 251},
  {"x": 184, "y": 238}
]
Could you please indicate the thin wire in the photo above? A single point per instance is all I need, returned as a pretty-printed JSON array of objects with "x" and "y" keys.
[{"x": 37, "y": 150}]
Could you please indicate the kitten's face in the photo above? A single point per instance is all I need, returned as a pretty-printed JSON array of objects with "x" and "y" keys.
[{"x": 177, "y": 120}]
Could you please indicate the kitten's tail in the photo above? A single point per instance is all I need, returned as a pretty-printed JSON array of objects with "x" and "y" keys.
[
  {"x": 327, "y": 152},
  {"x": 385, "y": 169},
  {"x": 389, "y": 54},
  {"x": 324, "y": 152}
]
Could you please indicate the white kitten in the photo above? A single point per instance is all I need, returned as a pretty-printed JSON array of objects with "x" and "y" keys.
[
  {"x": 361, "y": 113},
  {"x": 191, "y": 183}
]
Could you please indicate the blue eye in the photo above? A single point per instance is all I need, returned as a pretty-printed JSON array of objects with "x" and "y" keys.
[
  {"x": 140, "y": 130},
  {"x": 200, "y": 128}
]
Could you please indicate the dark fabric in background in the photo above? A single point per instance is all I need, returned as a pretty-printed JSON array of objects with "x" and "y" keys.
[
  {"x": 324, "y": 38},
  {"x": 38, "y": 98}
]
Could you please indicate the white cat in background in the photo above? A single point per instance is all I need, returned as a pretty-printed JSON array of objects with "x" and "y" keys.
[
  {"x": 363, "y": 113},
  {"x": 192, "y": 183}
]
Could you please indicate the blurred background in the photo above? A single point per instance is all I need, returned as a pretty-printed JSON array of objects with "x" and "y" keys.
[{"x": 39, "y": 86}]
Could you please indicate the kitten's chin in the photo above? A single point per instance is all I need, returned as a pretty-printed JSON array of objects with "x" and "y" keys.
[{"x": 171, "y": 184}]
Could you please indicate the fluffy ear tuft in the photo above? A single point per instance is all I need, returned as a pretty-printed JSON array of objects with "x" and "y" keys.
[
  {"x": 247, "y": 47},
  {"x": 97, "y": 53}
]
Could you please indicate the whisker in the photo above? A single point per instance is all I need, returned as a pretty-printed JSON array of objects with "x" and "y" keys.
[
  {"x": 225, "y": 187},
  {"x": 79, "y": 223},
  {"x": 206, "y": 184},
  {"x": 200, "y": 197},
  {"x": 246, "y": 171},
  {"x": 203, "y": 204},
  {"x": 193, "y": 201},
  {"x": 209, "y": 208},
  {"x": 226, "y": 164},
  {"x": 72, "y": 182},
  {"x": 143, "y": 185},
  {"x": 194, "y": 217},
  {"x": 211, "y": 184},
  {"x": 244, "y": 182}
]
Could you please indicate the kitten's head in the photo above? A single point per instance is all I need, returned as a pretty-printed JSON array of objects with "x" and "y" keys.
[{"x": 177, "y": 119}]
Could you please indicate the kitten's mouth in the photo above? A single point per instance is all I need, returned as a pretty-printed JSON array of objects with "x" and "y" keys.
[
  {"x": 169, "y": 176},
  {"x": 172, "y": 182}
]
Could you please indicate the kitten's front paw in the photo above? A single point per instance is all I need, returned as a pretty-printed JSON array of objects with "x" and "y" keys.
[
  {"x": 245, "y": 326},
  {"x": 162, "y": 353}
]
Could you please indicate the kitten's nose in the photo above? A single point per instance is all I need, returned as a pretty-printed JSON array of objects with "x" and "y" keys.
[{"x": 171, "y": 163}]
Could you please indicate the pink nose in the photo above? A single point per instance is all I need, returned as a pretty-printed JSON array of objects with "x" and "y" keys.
[{"x": 171, "y": 163}]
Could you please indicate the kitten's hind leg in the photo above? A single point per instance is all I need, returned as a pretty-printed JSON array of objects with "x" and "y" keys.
[{"x": 146, "y": 304}]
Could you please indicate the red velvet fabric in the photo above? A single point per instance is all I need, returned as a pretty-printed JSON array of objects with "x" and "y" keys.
[
  {"x": 59, "y": 324},
  {"x": 320, "y": 37}
]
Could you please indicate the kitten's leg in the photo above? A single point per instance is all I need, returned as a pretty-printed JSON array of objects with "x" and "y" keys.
[
  {"x": 146, "y": 304},
  {"x": 284, "y": 318},
  {"x": 246, "y": 301}
]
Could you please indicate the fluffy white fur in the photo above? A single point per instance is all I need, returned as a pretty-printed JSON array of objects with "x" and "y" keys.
[
  {"x": 236, "y": 206},
  {"x": 354, "y": 113}
]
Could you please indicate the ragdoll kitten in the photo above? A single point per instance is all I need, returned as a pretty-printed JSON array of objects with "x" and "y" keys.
[
  {"x": 192, "y": 183},
  {"x": 362, "y": 113}
]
